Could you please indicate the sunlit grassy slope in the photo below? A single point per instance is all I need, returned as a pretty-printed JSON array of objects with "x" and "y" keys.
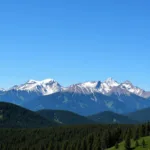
[{"x": 147, "y": 147}]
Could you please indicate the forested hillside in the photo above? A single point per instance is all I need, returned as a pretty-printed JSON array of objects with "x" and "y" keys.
[
  {"x": 87, "y": 137},
  {"x": 13, "y": 116},
  {"x": 108, "y": 117},
  {"x": 65, "y": 117}
]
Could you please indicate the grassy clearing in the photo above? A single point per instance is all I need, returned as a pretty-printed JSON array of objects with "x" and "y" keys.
[{"x": 147, "y": 147}]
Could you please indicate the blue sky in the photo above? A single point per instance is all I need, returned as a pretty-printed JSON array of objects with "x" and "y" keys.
[{"x": 74, "y": 41}]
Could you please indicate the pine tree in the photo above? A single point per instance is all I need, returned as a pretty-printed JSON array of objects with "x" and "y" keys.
[
  {"x": 51, "y": 146},
  {"x": 90, "y": 140},
  {"x": 116, "y": 146},
  {"x": 78, "y": 146},
  {"x": 142, "y": 131},
  {"x": 96, "y": 143},
  {"x": 103, "y": 144},
  {"x": 143, "y": 143},
  {"x": 147, "y": 129},
  {"x": 136, "y": 134},
  {"x": 105, "y": 140},
  {"x": 128, "y": 141},
  {"x": 64, "y": 146},
  {"x": 83, "y": 145},
  {"x": 136, "y": 143}
]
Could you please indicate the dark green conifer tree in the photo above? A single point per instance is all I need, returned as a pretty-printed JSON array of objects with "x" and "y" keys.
[
  {"x": 128, "y": 141},
  {"x": 136, "y": 134},
  {"x": 136, "y": 143},
  {"x": 90, "y": 140},
  {"x": 83, "y": 145},
  {"x": 51, "y": 146},
  {"x": 143, "y": 143},
  {"x": 103, "y": 143},
  {"x": 64, "y": 145},
  {"x": 142, "y": 131},
  {"x": 116, "y": 145}
]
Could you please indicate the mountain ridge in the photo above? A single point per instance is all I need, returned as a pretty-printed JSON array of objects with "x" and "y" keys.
[
  {"x": 51, "y": 86},
  {"x": 108, "y": 117},
  {"x": 141, "y": 115},
  {"x": 91, "y": 96}
]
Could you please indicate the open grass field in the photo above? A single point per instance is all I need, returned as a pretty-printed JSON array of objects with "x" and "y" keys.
[{"x": 147, "y": 147}]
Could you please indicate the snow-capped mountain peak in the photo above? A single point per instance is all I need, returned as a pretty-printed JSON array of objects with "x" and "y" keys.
[
  {"x": 108, "y": 85},
  {"x": 131, "y": 88},
  {"x": 111, "y": 82},
  {"x": 111, "y": 86},
  {"x": 44, "y": 87}
]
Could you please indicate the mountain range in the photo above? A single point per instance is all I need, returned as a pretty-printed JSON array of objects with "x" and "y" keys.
[{"x": 83, "y": 98}]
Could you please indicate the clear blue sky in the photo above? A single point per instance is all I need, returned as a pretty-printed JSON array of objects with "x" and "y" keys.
[{"x": 74, "y": 41}]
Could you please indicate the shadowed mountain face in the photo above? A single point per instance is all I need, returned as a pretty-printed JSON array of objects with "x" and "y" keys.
[
  {"x": 64, "y": 117},
  {"x": 132, "y": 102},
  {"x": 18, "y": 97},
  {"x": 78, "y": 103},
  {"x": 108, "y": 117},
  {"x": 13, "y": 116},
  {"x": 82, "y": 104}
]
